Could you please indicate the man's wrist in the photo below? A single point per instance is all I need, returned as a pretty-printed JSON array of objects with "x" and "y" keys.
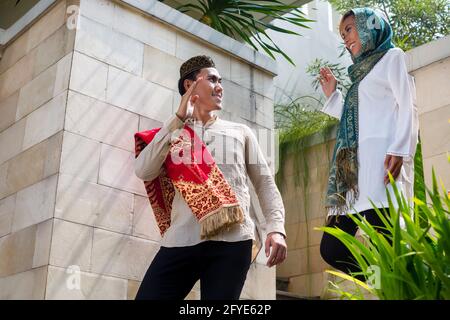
[
  {"x": 281, "y": 234},
  {"x": 179, "y": 117}
]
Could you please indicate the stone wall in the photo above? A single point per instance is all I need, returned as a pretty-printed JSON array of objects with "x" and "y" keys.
[
  {"x": 303, "y": 198},
  {"x": 430, "y": 66},
  {"x": 75, "y": 222},
  {"x": 34, "y": 83}
]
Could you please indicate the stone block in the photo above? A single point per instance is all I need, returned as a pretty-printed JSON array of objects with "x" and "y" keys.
[
  {"x": 137, "y": 95},
  {"x": 145, "y": 29},
  {"x": 95, "y": 119},
  {"x": 71, "y": 284},
  {"x": 89, "y": 76},
  {"x": 264, "y": 112},
  {"x": 80, "y": 157},
  {"x": 260, "y": 283},
  {"x": 17, "y": 76},
  {"x": 35, "y": 203},
  {"x": 316, "y": 263},
  {"x": 430, "y": 80},
  {"x": 14, "y": 51},
  {"x": 7, "y": 207},
  {"x": 120, "y": 255},
  {"x": 44, "y": 87},
  {"x": 144, "y": 222},
  {"x": 133, "y": 287},
  {"x": 310, "y": 285},
  {"x": 28, "y": 285},
  {"x": 41, "y": 255},
  {"x": 52, "y": 49},
  {"x": 117, "y": 170},
  {"x": 263, "y": 83},
  {"x": 441, "y": 168},
  {"x": 296, "y": 263},
  {"x": 45, "y": 121},
  {"x": 31, "y": 166},
  {"x": 101, "y": 11},
  {"x": 71, "y": 245},
  {"x": 48, "y": 24},
  {"x": 435, "y": 131},
  {"x": 16, "y": 251},
  {"x": 8, "y": 109},
  {"x": 237, "y": 100},
  {"x": 161, "y": 68},
  {"x": 11, "y": 140},
  {"x": 147, "y": 124},
  {"x": 187, "y": 47},
  {"x": 109, "y": 46},
  {"x": 241, "y": 73},
  {"x": 91, "y": 204},
  {"x": 315, "y": 236},
  {"x": 297, "y": 235}
]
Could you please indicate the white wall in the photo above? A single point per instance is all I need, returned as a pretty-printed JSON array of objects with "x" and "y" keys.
[{"x": 321, "y": 41}]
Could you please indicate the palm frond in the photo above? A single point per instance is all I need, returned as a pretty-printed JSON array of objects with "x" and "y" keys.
[{"x": 237, "y": 19}]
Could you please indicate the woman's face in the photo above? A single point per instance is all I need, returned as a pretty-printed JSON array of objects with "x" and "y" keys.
[{"x": 350, "y": 35}]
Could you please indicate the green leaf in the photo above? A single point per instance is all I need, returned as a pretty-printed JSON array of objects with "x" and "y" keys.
[{"x": 223, "y": 16}]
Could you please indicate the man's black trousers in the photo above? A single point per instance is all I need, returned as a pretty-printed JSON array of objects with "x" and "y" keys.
[{"x": 220, "y": 266}]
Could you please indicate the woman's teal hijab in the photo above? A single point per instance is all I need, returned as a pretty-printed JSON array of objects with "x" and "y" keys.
[{"x": 375, "y": 34}]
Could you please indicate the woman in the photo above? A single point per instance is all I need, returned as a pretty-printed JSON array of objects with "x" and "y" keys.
[{"x": 377, "y": 132}]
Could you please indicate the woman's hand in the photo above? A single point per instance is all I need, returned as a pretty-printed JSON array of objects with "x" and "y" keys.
[
  {"x": 187, "y": 102},
  {"x": 392, "y": 164},
  {"x": 327, "y": 81}
]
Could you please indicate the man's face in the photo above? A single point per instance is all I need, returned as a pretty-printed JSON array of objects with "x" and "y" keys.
[{"x": 209, "y": 90}]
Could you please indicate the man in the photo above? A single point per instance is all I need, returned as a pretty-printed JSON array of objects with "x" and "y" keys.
[{"x": 201, "y": 202}]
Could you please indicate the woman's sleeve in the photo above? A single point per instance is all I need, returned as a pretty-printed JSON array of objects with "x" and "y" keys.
[
  {"x": 405, "y": 138},
  {"x": 334, "y": 105}
]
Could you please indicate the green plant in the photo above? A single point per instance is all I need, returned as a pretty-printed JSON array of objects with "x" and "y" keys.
[
  {"x": 339, "y": 71},
  {"x": 300, "y": 120},
  {"x": 419, "y": 180},
  {"x": 236, "y": 19},
  {"x": 414, "y": 260},
  {"x": 296, "y": 123}
]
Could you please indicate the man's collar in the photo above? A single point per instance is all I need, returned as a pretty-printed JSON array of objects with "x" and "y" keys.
[{"x": 208, "y": 123}]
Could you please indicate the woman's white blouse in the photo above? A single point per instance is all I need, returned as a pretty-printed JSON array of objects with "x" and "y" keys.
[{"x": 388, "y": 124}]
